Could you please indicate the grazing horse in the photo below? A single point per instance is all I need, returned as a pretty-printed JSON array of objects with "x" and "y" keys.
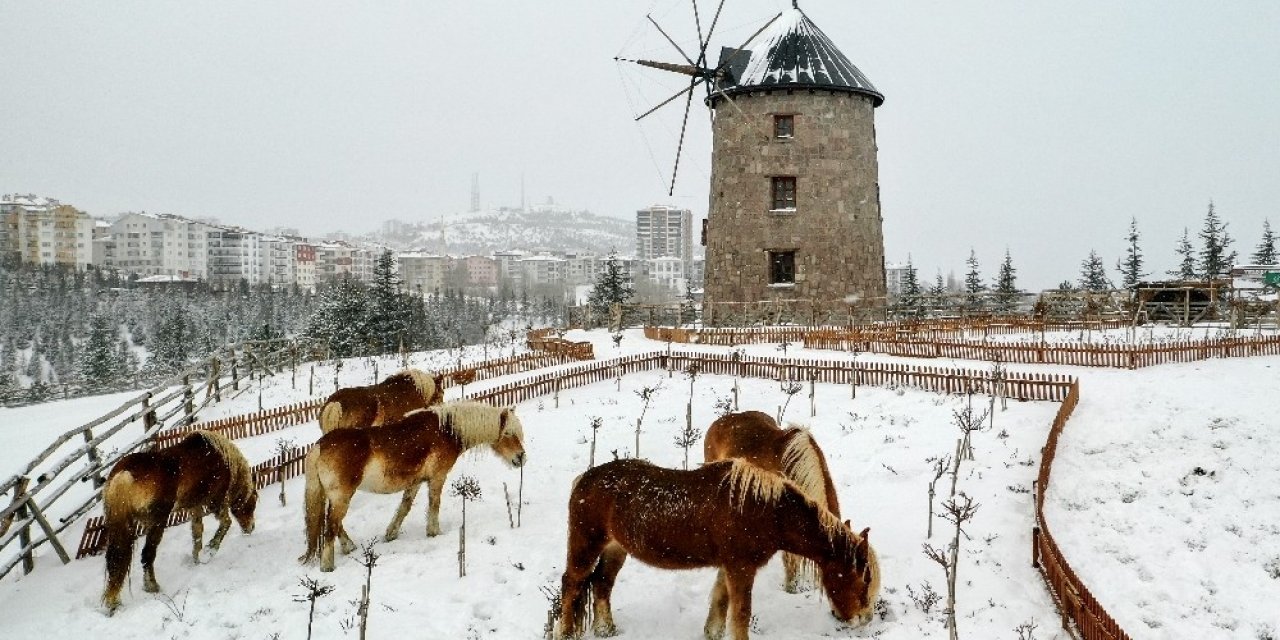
[
  {"x": 422, "y": 446},
  {"x": 755, "y": 437},
  {"x": 203, "y": 473},
  {"x": 382, "y": 403},
  {"x": 730, "y": 514}
]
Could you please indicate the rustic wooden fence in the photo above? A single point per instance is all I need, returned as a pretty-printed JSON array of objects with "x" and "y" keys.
[
  {"x": 926, "y": 328},
  {"x": 35, "y": 515}
]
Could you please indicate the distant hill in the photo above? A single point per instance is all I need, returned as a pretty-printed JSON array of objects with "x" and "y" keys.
[{"x": 553, "y": 230}]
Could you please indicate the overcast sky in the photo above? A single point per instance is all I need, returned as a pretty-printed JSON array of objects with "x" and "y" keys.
[{"x": 1040, "y": 127}]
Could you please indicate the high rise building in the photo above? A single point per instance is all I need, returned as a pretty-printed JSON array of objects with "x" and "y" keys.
[
  {"x": 38, "y": 230},
  {"x": 664, "y": 232}
]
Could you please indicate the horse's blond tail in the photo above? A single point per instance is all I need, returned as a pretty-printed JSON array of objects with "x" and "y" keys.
[
  {"x": 118, "y": 499},
  {"x": 330, "y": 416},
  {"x": 316, "y": 503}
]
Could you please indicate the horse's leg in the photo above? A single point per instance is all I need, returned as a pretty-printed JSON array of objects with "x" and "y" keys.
[
  {"x": 575, "y": 595},
  {"x": 154, "y": 534},
  {"x": 714, "y": 628},
  {"x": 406, "y": 503},
  {"x": 602, "y": 581},
  {"x": 337, "y": 511},
  {"x": 739, "y": 582},
  {"x": 224, "y": 525},
  {"x": 435, "y": 487},
  {"x": 791, "y": 572},
  {"x": 197, "y": 532}
]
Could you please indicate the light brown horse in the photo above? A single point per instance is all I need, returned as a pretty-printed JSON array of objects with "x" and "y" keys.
[
  {"x": 382, "y": 403},
  {"x": 756, "y": 437},
  {"x": 203, "y": 473},
  {"x": 729, "y": 514},
  {"x": 422, "y": 446}
]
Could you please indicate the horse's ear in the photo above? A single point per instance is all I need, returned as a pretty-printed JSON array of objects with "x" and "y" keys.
[
  {"x": 865, "y": 533},
  {"x": 848, "y": 525},
  {"x": 502, "y": 419}
]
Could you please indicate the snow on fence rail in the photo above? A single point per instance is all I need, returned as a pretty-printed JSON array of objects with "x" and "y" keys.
[{"x": 934, "y": 328}]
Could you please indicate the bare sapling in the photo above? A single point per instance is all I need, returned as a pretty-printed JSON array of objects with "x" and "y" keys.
[
  {"x": 646, "y": 395},
  {"x": 617, "y": 340},
  {"x": 368, "y": 559},
  {"x": 998, "y": 390},
  {"x": 284, "y": 450},
  {"x": 468, "y": 489},
  {"x": 940, "y": 467},
  {"x": 783, "y": 346},
  {"x": 312, "y": 590},
  {"x": 462, "y": 378},
  {"x": 1027, "y": 630},
  {"x": 596, "y": 423},
  {"x": 813, "y": 392},
  {"x": 552, "y": 593},
  {"x": 789, "y": 388},
  {"x": 958, "y": 512},
  {"x": 853, "y": 374},
  {"x": 737, "y": 359},
  {"x": 689, "y": 435},
  {"x": 968, "y": 422}
]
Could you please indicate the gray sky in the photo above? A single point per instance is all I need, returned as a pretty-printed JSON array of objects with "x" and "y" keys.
[{"x": 1041, "y": 127}]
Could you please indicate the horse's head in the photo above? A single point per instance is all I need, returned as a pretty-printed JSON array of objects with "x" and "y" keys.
[
  {"x": 243, "y": 509},
  {"x": 510, "y": 443},
  {"x": 852, "y": 580}
]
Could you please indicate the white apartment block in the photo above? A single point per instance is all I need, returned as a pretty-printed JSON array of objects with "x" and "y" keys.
[
  {"x": 44, "y": 231},
  {"x": 235, "y": 254},
  {"x": 542, "y": 269},
  {"x": 157, "y": 244},
  {"x": 667, "y": 272},
  {"x": 508, "y": 264},
  {"x": 664, "y": 232},
  {"x": 423, "y": 273},
  {"x": 338, "y": 259},
  {"x": 582, "y": 268},
  {"x": 279, "y": 261},
  {"x": 305, "y": 265},
  {"x": 895, "y": 279}
]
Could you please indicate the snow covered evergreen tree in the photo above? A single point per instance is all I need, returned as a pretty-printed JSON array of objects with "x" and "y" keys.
[
  {"x": 938, "y": 292},
  {"x": 172, "y": 338},
  {"x": 388, "y": 317},
  {"x": 973, "y": 285},
  {"x": 1130, "y": 266},
  {"x": 1186, "y": 258},
  {"x": 99, "y": 359},
  {"x": 1216, "y": 258},
  {"x": 1093, "y": 274},
  {"x": 341, "y": 318},
  {"x": 611, "y": 287},
  {"x": 911, "y": 281},
  {"x": 1006, "y": 284},
  {"x": 1266, "y": 251}
]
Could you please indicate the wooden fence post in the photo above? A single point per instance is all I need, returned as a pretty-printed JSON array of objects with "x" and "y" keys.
[
  {"x": 235, "y": 372},
  {"x": 24, "y": 534},
  {"x": 188, "y": 401},
  {"x": 148, "y": 414},
  {"x": 95, "y": 459}
]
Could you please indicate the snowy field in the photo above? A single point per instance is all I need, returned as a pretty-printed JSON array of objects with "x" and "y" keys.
[
  {"x": 877, "y": 446},
  {"x": 1164, "y": 501}
]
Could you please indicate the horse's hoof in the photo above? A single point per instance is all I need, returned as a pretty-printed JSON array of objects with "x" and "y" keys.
[
  {"x": 608, "y": 631},
  {"x": 390, "y": 536},
  {"x": 431, "y": 533},
  {"x": 326, "y": 569},
  {"x": 151, "y": 587}
]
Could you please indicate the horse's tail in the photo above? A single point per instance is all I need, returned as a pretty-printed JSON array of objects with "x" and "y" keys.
[
  {"x": 315, "y": 504},
  {"x": 118, "y": 500},
  {"x": 330, "y": 416}
]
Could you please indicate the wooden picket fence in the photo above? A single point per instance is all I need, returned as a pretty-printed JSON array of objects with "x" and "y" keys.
[
  {"x": 1120, "y": 356},
  {"x": 939, "y": 328}
]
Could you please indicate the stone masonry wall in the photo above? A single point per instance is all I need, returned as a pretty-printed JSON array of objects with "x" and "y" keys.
[{"x": 836, "y": 228}]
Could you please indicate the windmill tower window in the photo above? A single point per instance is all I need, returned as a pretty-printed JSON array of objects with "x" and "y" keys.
[
  {"x": 782, "y": 268},
  {"x": 784, "y": 194},
  {"x": 784, "y": 127}
]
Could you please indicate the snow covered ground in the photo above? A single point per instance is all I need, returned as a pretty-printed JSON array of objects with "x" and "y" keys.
[
  {"x": 1171, "y": 551},
  {"x": 877, "y": 446}
]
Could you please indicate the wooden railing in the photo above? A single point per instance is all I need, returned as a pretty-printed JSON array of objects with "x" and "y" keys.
[
  {"x": 38, "y": 511},
  {"x": 925, "y": 328}
]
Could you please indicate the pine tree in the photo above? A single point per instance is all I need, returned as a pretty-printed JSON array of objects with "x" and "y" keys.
[
  {"x": 938, "y": 292},
  {"x": 387, "y": 317},
  {"x": 1215, "y": 258},
  {"x": 99, "y": 360},
  {"x": 1130, "y": 266},
  {"x": 1006, "y": 284},
  {"x": 341, "y": 318},
  {"x": 911, "y": 283},
  {"x": 1186, "y": 258},
  {"x": 1093, "y": 275},
  {"x": 1266, "y": 252},
  {"x": 611, "y": 287},
  {"x": 172, "y": 338},
  {"x": 973, "y": 285}
]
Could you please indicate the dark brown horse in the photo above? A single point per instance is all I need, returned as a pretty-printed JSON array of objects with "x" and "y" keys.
[
  {"x": 730, "y": 514},
  {"x": 422, "y": 446},
  {"x": 756, "y": 437},
  {"x": 203, "y": 473},
  {"x": 382, "y": 403}
]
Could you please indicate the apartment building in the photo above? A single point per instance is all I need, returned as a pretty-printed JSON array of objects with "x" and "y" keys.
[
  {"x": 39, "y": 230},
  {"x": 156, "y": 244}
]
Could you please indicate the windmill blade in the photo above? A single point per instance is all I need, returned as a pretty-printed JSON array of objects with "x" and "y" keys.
[
  {"x": 673, "y": 42},
  {"x": 697, "y": 23},
  {"x": 688, "y": 89},
  {"x": 680, "y": 147},
  {"x": 712, "y": 30},
  {"x": 737, "y": 52}
]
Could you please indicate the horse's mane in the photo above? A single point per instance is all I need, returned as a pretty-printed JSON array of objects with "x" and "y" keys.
[
  {"x": 802, "y": 464},
  {"x": 242, "y": 483},
  {"x": 424, "y": 381},
  {"x": 476, "y": 423}
]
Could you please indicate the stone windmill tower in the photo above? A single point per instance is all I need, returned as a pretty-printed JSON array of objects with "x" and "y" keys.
[{"x": 795, "y": 197}]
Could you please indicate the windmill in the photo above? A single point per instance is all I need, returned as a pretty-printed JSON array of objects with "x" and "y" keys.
[{"x": 698, "y": 69}]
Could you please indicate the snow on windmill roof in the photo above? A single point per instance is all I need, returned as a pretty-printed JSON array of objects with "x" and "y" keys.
[{"x": 794, "y": 53}]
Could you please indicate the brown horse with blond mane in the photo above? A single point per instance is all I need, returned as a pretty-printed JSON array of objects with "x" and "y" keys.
[
  {"x": 729, "y": 514},
  {"x": 756, "y": 437},
  {"x": 422, "y": 446},
  {"x": 382, "y": 403},
  {"x": 203, "y": 473}
]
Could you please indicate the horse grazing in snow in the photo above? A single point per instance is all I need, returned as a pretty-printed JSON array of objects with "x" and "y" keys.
[
  {"x": 729, "y": 514},
  {"x": 203, "y": 473},
  {"x": 756, "y": 437},
  {"x": 382, "y": 403},
  {"x": 421, "y": 446}
]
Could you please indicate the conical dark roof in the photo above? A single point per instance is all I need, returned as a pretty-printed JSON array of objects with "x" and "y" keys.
[{"x": 793, "y": 53}]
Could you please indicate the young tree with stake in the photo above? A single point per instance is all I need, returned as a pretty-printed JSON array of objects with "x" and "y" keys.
[{"x": 468, "y": 489}]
